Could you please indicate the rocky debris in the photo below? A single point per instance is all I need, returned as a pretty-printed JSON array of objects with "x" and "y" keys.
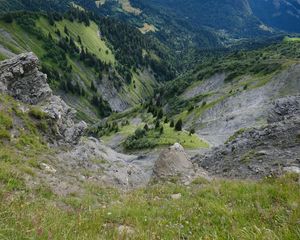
[
  {"x": 103, "y": 164},
  {"x": 125, "y": 231},
  {"x": 20, "y": 78},
  {"x": 259, "y": 152},
  {"x": 292, "y": 169},
  {"x": 48, "y": 168},
  {"x": 173, "y": 163},
  {"x": 284, "y": 108},
  {"x": 176, "y": 196},
  {"x": 66, "y": 130}
]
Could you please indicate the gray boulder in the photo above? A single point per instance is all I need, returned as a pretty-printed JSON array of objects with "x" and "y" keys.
[{"x": 173, "y": 163}]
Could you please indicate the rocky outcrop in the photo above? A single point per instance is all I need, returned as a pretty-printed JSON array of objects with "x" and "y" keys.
[
  {"x": 259, "y": 152},
  {"x": 21, "y": 78},
  {"x": 66, "y": 130}
]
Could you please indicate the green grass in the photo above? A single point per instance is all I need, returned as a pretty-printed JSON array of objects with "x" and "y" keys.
[
  {"x": 170, "y": 136},
  {"x": 89, "y": 36},
  {"x": 124, "y": 131},
  {"x": 291, "y": 39},
  {"x": 222, "y": 209},
  {"x": 167, "y": 138},
  {"x": 142, "y": 86},
  {"x": 22, "y": 40}
]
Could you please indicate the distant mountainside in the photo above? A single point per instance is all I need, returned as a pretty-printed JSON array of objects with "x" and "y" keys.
[
  {"x": 231, "y": 16},
  {"x": 281, "y": 14},
  {"x": 47, "y": 5},
  {"x": 189, "y": 24}
]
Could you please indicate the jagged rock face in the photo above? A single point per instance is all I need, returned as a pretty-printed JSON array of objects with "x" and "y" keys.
[
  {"x": 20, "y": 78},
  {"x": 260, "y": 152},
  {"x": 173, "y": 162},
  {"x": 67, "y": 131}
]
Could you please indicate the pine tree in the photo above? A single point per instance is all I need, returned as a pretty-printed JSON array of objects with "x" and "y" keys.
[
  {"x": 172, "y": 124},
  {"x": 178, "y": 126},
  {"x": 192, "y": 131},
  {"x": 93, "y": 87},
  {"x": 146, "y": 127},
  {"x": 160, "y": 114},
  {"x": 66, "y": 30},
  {"x": 161, "y": 130},
  {"x": 157, "y": 125},
  {"x": 8, "y": 18}
]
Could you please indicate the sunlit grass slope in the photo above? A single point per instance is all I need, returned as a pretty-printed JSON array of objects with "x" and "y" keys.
[{"x": 90, "y": 36}]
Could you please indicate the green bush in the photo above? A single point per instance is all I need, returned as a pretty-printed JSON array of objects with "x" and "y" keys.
[
  {"x": 132, "y": 143},
  {"x": 6, "y": 121},
  {"x": 4, "y": 134},
  {"x": 37, "y": 113}
]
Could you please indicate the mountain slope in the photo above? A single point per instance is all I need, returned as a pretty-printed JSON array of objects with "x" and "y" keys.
[
  {"x": 225, "y": 95},
  {"x": 79, "y": 61}
]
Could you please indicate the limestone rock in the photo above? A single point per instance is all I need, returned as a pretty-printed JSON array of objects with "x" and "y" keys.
[
  {"x": 63, "y": 115},
  {"x": 125, "y": 231},
  {"x": 20, "y": 78},
  {"x": 176, "y": 196},
  {"x": 173, "y": 162}
]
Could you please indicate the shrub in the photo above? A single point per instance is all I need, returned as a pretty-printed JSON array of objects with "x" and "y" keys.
[
  {"x": 161, "y": 131},
  {"x": 37, "y": 113},
  {"x": 5, "y": 121},
  {"x": 139, "y": 133},
  {"x": 157, "y": 125},
  {"x": 4, "y": 134},
  {"x": 160, "y": 114},
  {"x": 132, "y": 143},
  {"x": 191, "y": 108},
  {"x": 192, "y": 131}
]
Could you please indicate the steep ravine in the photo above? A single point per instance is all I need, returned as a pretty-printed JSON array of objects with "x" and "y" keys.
[{"x": 73, "y": 159}]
